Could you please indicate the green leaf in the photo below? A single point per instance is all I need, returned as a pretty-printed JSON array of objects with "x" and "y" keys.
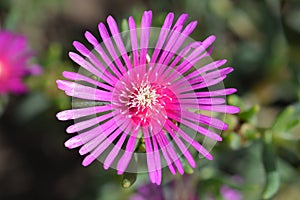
[
  {"x": 12, "y": 19},
  {"x": 269, "y": 162},
  {"x": 298, "y": 148},
  {"x": 124, "y": 25},
  {"x": 249, "y": 131},
  {"x": 232, "y": 121},
  {"x": 186, "y": 166},
  {"x": 287, "y": 119},
  {"x": 233, "y": 140},
  {"x": 249, "y": 114},
  {"x": 235, "y": 100}
]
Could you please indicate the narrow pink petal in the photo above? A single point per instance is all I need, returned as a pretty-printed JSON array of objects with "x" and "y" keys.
[
  {"x": 202, "y": 101},
  {"x": 73, "y": 142},
  {"x": 162, "y": 36},
  {"x": 171, "y": 41},
  {"x": 179, "y": 41},
  {"x": 82, "y": 91},
  {"x": 198, "y": 54},
  {"x": 91, "y": 39},
  {"x": 183, "y": 53},
  {"x": 168, "y": 146},
  {"x": 116, "y": 149},
  {"x": 110, "y": 47},
  {"x": 85, "y": 137},
  {"x": 181, "y": 20},
  {"x": 208, "y": 67},
  {"x": 107, "y": 131},
  {"x": 82, "y": 112},
  {"x": 210, "y": 121},
  {"x": 168, "y": 74},
  {"x": 102, "y": 53},
  {"x": 95, "y": 61},
  {"x": 157, "y": 162},
  {"x": 145, "y": 35},
  {"x": 222, "y": 109},
  {"x": 83, "y": 63},
  {"x": 88, "y": 160},
  {"x": 88, "y": 123},
  {"x": 119, "y": 42},
  {"x": 179, "y": 88},
  {"x": 185, "y": 151},
  {"x": 194, "y": 57},
  {"x": 134, "y": 41},
  {"x": 150, "y": 156},
  {"x": 191, "y": 64},
  {"x": 188, "y": 139},
  {"x": 209, "y": 83},
  {"x": 126, "y": 157},
  {"x": 79, "y": 77},
  {"x": 175, "y": 42},
  {"x": 172, "y": 38},
  {"x": 101, "y": 148},
  {"x": 196, "y": 127},
  {"x": 212, "y": 75},
  {"x": 221, "y": 92},
  {"x": 165, "y": 153}
]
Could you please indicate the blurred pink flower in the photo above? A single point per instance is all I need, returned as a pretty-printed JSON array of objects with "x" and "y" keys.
[
  {"x": 177, "y": 189},
  {"x": 230, "y": 194},
  {"x": 145, "y": 92},
  {"x": 14, "y": 62}
]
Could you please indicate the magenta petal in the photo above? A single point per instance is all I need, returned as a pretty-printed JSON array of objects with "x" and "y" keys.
[
  {"x": 162, "y": 36},
  {"x": 197, "y": 128},
  {"x": 118, "y": 40},
  {"x": 181, "y": 20},
  {"x": 151, "y": 162},
  {"x": 95, "y": 61},
  {"x": 182, "y": 148},
  {"x": 88, "y": 160},
  {"x": 133, "y": 39},
  {"x": 124, "y": 160},
  {"x": 82, "y": 112},
  {"x": 83, "y": 63},
  {"x": 165, "y": 153},
  {"x": 110, "y": 47},
  {"x": 192, "y": 142},
  {"x": 78, "y": 77},
  {"x": 157, "y": 162},
  {"x": 88, "y": 123},
  {"x": 145, "y": 35},
  {"x": 114, "y": 152},
  {"x": 91, "y": 39}
]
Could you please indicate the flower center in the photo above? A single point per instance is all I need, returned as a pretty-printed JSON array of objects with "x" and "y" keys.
[{"x": 143, "y": 97}]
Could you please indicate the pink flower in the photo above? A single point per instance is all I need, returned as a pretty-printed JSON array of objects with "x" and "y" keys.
[
  {"x": 14, "y": 57},
  {"x": 230, "y": 194},
  {"x": 145, "y": 92}
]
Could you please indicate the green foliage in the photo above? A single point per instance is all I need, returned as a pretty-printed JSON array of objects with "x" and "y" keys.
[{"x": 269, "y": 161}]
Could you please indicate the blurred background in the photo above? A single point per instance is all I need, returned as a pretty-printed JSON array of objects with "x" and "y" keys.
[{"x": 259, "y": 38}]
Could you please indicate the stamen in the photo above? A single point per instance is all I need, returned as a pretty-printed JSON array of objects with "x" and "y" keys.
[{"x": 143, "y": 97}]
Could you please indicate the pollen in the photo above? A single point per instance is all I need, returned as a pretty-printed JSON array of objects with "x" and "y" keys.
[{"x": 143, "y": 97}]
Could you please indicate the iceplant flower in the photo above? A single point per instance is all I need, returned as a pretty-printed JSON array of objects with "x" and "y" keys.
[
  {"x": 15, "y": 55},
  {"x": 146, "y": 87}
]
